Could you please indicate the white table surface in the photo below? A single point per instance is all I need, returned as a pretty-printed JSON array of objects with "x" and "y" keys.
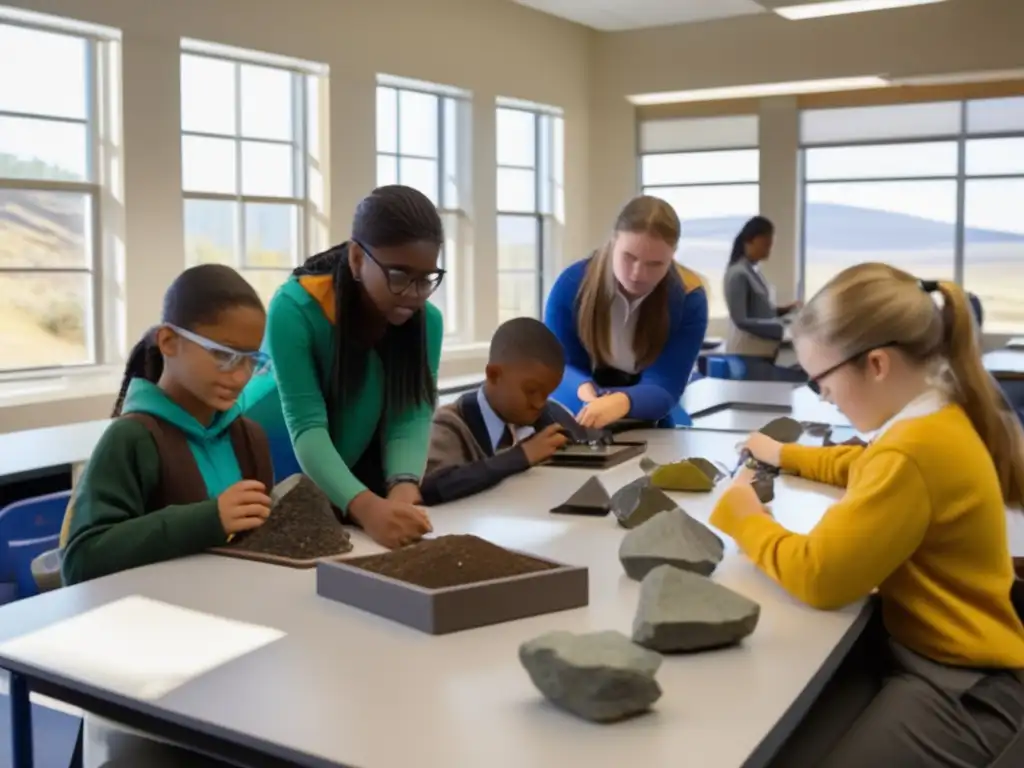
[
  {"x": 347, "y": 688},
  {"x": 704, "y": 397}
]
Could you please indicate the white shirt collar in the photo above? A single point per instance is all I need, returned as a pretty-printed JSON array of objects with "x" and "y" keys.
[{"x": 924, "y": 404}]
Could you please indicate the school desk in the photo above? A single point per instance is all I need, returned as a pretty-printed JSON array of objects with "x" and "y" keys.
[
  {"x": 1005, "y": 364},
  {"x": 345, "y": 688},
  {"x": 744, "y": 406}
]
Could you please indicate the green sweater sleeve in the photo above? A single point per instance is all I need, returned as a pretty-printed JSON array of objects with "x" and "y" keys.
[
  {"x": 290, "y": 342},
  {"x": 110, "y": 529},
  {"x": 407, "y": 435}
]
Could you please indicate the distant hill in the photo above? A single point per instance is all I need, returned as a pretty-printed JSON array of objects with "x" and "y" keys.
[{"x": 849, "y": 228}]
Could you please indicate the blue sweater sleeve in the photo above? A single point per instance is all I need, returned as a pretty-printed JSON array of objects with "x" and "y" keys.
[
  {"x": 661, "y": 384},
  {"x": 560, "y": 317}
]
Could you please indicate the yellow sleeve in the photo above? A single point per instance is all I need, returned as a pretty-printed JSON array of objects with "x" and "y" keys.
[
  {"x": 855, "y": 546},
  {"x": 822, "y": 465}
]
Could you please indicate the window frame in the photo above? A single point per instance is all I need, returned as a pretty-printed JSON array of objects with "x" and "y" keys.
[
  {"x": 961, "y": 138},
  {"x": 303, "y": 78},
  {"x": 546, "y": 185},
  {"x": 452, "y": 212},
  {"x": 101, "y": 321}
]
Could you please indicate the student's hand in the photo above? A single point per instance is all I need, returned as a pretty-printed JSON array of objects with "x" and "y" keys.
[
  {"x": 586, "y": 392},
  {"x": 739, "y": 501},
  {"x": 764, "y": 449},
  {"x": 604, "y": 410},
  {"x": 388, "y": 522},
  {"x": 542, "y": 446},
  {"x": 243, "y": 506},
  {"x": 407, "y": 493}
]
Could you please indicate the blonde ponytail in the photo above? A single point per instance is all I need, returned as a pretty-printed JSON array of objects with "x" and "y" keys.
[{"x": 979, "y": 394}]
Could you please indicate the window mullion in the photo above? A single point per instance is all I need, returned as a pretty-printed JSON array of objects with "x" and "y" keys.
[{"x": 240, "y": 244}]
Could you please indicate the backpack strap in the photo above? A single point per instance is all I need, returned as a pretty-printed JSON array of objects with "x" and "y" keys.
[
  {"x": 253, "y": 451},
  {"x": 180, "y": 482}
]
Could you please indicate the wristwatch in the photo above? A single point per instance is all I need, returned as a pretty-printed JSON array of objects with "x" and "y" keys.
[{"x": 398, "y": 480}]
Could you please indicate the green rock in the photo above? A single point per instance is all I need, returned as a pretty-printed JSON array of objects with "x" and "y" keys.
[{"x": 689, "y": 475}]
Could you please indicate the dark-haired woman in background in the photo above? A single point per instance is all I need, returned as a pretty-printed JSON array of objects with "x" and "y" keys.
[
  {"x": 631, "y": 322},
  {"x": 355, "y": 347},
  {"x": 756, "y": 327}
]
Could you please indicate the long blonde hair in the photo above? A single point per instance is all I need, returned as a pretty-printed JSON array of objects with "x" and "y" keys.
[
  {"x": 642, "y": 215},
  {"x": 874, "y": 305}
]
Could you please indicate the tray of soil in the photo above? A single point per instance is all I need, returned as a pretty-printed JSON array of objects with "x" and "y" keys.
[
  {"x": 302, "y": 529},
  {"x": 453, "y": 583},
  {"x": 597, "y": 456}
]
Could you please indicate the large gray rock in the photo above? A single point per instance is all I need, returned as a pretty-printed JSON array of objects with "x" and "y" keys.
[
  {"x": 681, "y": 611},
  {"x": 599, "y": 676},
  {"x": 783, "y": 429},
  {"x": 639, "y": 501},
  {"x": 764, "y": 487},
  {"x": 670, "y": 538}
]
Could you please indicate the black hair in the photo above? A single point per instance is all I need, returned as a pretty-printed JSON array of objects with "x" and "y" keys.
[
  {"x": 389, "y": 216},
  {"x": 758, "y": 226},
  {"x": 526, "y": 339},
  {"x": 196, "y": 297}
]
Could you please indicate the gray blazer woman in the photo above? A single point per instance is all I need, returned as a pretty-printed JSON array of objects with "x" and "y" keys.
[{"x": 756, "y": 328}]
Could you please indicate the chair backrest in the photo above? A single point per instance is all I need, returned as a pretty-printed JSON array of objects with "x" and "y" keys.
[{"x": 26, "y": 520}]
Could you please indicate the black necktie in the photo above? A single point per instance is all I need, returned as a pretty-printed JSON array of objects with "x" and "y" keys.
[{"x": 507, "y": 439}]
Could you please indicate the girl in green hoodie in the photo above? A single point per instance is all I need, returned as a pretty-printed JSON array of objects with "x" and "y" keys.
[
  {"x": 356, "y": 347},
  {"x": 180, "y": 388}
]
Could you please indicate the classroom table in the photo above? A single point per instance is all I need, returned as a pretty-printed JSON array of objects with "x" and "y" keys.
[
  {"x": 743, "y": 406},
  {"x": 1005, "y": 364},
  {"x": 345, "y": 688},
  {"x": 1016, "y": 344}
]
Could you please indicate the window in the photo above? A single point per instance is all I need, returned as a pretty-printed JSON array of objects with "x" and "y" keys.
[
  {"x": 421, "y": 132},
  {"x": 531, "y": 204},
  {"x": 708, "y": 171},
  {"x": 253, "y": 187},
  {"x": 935, "y": 189},
  {"x": 52, "y": 302}
]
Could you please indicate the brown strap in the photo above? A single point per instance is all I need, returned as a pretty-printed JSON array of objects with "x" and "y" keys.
[
  {"x": 253, "y": 451},
  {"x": 180, "y": 482}
]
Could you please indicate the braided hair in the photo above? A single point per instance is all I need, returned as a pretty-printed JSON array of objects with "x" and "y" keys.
[
  {"x": 196, "y": 297},
  {"x": 390, "y": 216}
]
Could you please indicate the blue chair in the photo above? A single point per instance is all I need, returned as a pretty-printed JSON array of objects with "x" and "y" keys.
[
  {"x": 726, "y": 367},
  {"x": 27, "y": 529}
]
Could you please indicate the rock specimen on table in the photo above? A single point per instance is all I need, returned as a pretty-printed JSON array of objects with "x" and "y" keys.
[
  {"x": 816, "y": 428},
  {"x": 639, "y": 501},
  {"x": 670, "y": 538},
  {"x": 828, "y": 442},
  {"x": 599, "y": 676},
  {"x": 783, "y": 429},
  {"x": 648, "y": 465},
  {"x": 451, "y": 561},
  {"x": 688, "y": 475},
  {"x": 684, "y": 612},
  {"x": 590, "y": 499},
  {"x": 301, "y": 526}
]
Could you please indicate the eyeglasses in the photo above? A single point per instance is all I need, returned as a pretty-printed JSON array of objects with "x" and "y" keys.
[
  {"x": 227, "y": 359},
  {"x": 401, "y": 280},
  {"x": 814, "y": 382}
]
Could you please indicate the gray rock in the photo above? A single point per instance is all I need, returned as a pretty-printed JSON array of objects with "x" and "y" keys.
[
  {"x": 764, "y": 486},
  {"x": 590, "y": 499},
  {"x": 638, "y": 502},
  {"x": 599, "y": 676},
  {"x": 648, "y": 465},
  {"x": 680, "y": 611},
  {"x": 670, "y": 538},
  {"x": 783, "y": 429}
]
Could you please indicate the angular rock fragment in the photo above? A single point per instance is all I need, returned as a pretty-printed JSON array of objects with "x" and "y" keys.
[
  {"x": 688, "y": 475},
  {"x": 590, "y": 499},
  {"x": 670, "y": 538},
  {"x": 639, "y": 501},
  {"x": 783, "y": 429},
  {"x": 683, "y": 612},
  {"x": 599, "y": 676},
  {"x": 764, "y": 486}
]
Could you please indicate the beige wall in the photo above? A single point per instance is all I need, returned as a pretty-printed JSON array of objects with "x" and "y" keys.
[
  {"x": 954, "y": 37},
  {"x": 489, "y": 47}
]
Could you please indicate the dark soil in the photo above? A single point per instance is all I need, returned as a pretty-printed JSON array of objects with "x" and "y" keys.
[
  {"x": 450, "y": 561},
  {"x": 302, "y": 525}
]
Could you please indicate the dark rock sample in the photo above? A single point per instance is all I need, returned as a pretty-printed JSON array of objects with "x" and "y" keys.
[
  {"x": 783, "y": 429},
  {"x": 689, "y": 475},
  {"x": 639, "y": 501},
  {"x": 301, "y": 526},
  {"x": 599, "y": 676},
  {"x": 670, "y": 538},
  {"x": 764, "y": 486},
  {"x": 590, "y": 499},
  {"x": 683, "y": 612}
]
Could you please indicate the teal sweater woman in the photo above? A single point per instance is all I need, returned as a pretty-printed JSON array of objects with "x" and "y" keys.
[{"x": 355, "y": 348}]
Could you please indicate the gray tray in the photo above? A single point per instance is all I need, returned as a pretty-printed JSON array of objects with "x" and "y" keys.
[{"x": 453, "y": 609}]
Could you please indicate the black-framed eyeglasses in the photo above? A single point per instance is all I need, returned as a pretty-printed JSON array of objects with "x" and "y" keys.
[
  {"x": 400, "y": 280},
  {"x": 814, "y": 382}
]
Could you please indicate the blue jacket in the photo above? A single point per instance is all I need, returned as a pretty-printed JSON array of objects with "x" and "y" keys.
[{"x": 657, "y": 394}]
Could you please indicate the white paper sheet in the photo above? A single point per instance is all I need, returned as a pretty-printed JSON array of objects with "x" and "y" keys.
[{"x": 138, "y": 647}]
